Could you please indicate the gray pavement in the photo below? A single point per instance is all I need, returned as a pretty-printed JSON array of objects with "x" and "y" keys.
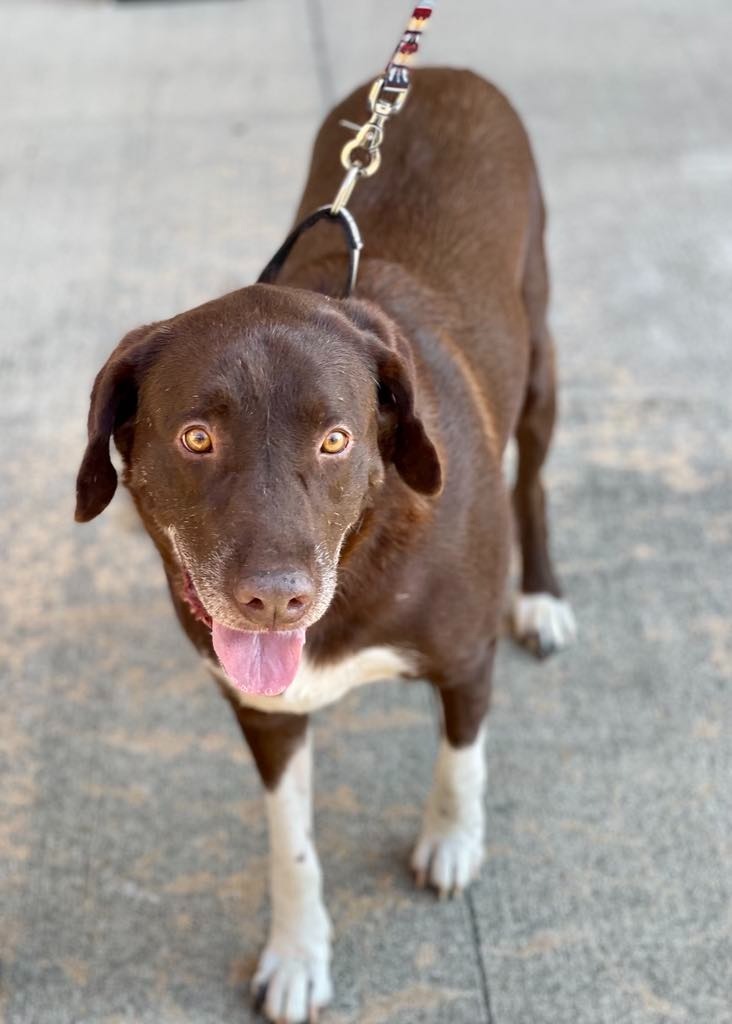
[{"x": 150, "y": 158}]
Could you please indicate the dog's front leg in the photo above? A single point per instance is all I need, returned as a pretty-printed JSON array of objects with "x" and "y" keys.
[
  {"x": 292, "y": 981},
  {"x": 449, "y": 850}
]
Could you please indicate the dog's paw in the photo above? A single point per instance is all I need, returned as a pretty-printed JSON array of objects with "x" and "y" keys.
[
  {"x": 543, "y": 623},
  {"x": 292, "y": 985},
  {"x": 448, "y": 860}
]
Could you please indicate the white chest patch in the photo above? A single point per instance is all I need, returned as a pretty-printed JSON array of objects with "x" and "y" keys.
[{"x": 315, "y": 686}]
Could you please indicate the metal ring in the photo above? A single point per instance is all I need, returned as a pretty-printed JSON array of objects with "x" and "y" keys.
[{"x": 366, "y": 170}]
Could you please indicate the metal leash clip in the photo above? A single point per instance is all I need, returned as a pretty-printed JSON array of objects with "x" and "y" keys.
[
  {"x": 368, "y": 140},
  {"x": 361, "y": 156}
]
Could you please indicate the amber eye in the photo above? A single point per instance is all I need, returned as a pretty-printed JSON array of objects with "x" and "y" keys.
[
  {"x": 336, "y": 441},
  {"x": 197, "y": 440}
]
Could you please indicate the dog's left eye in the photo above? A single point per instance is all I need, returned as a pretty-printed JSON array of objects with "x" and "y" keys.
[
  {"x": 197, "y": 440},
  {"x": 334, "y": 442}
]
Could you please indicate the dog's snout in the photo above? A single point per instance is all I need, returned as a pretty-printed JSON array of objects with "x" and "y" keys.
[{"x": 275, "y": 598}]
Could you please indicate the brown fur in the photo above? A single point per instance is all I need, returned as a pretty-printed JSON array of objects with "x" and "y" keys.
[{"x": 443, "y": 354}]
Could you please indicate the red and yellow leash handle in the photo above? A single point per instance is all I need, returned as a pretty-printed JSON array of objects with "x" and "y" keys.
[
  {"x": 361, "y": 155},
  {"x": 396, "y": 76}
]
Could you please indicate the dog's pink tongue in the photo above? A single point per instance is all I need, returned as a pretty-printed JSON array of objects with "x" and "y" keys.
[{"x": 263, "y": 663}]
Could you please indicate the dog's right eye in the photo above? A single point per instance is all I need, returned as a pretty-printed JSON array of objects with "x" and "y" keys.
[{"x": 197, "y": 440}]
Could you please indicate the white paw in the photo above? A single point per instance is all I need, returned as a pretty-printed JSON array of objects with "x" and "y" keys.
[
  {"x": 543, "y": 623},
  {"x": 449, "y": 861},
  {"x": 449, "y": 850},
  {"x": 293, "y": 984}
]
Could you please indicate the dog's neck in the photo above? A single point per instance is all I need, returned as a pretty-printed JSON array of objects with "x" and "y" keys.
[{"x": 389, "y": 284}]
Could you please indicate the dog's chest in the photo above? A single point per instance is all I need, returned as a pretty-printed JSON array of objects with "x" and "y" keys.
[{"x": 315, "y": 686}]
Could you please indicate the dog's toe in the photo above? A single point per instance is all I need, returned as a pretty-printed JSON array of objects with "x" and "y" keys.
[
  {"x": 291, "y": 987},
  {"x": 448, "y": 862},
  {"x": 543, "y": 623}
]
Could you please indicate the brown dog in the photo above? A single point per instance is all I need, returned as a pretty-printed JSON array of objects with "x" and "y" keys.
[{"x": 323, "y": 478}]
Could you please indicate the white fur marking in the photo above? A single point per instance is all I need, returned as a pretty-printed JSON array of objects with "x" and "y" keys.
[
  {"x": 314, "y": 687},
  {"x": 295, "y": 964},
  {"x": 449, "y": 850},
  {"x": 546, "y": 618}
]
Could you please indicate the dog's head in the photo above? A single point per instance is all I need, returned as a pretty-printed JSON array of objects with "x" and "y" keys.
[{"x": 255, "y": 431}]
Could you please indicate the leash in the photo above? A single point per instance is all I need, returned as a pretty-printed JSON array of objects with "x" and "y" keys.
[{"x": 361, "y": 155}]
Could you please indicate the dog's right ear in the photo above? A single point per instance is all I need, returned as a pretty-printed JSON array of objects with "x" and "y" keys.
[
  {"x": 113, "y": 402},
  {"x": 405, "y": 440}
]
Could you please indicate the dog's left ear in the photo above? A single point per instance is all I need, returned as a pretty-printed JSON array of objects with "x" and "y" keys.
[
  {"x": 113, "y": 403},
  {"x": 403, "y": 438}
]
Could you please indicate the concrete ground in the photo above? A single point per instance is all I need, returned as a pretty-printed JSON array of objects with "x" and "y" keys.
[{"x": 150, "y": 158}]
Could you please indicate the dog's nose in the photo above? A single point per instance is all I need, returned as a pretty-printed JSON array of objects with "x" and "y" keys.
[{"x": 275, "y": 598}]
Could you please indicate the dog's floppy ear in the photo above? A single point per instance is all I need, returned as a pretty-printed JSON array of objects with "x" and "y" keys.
[
  {"x": 113, "y": 402},
  {"x": 403, "y": 438}
]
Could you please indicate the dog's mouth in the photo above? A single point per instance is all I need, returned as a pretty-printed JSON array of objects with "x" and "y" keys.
[
  {"x": 191, "y": 598},
  {"x": 263, "y": 662}
]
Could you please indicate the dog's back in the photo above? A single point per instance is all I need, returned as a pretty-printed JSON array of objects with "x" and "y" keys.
[{"x": 456, "y": 203}]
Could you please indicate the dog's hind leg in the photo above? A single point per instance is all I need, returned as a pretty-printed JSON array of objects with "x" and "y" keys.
[
  {"x": 292, "y": 981},
  {"x": 449, "y": 851},
  {"x": 542, "y": 620}
]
